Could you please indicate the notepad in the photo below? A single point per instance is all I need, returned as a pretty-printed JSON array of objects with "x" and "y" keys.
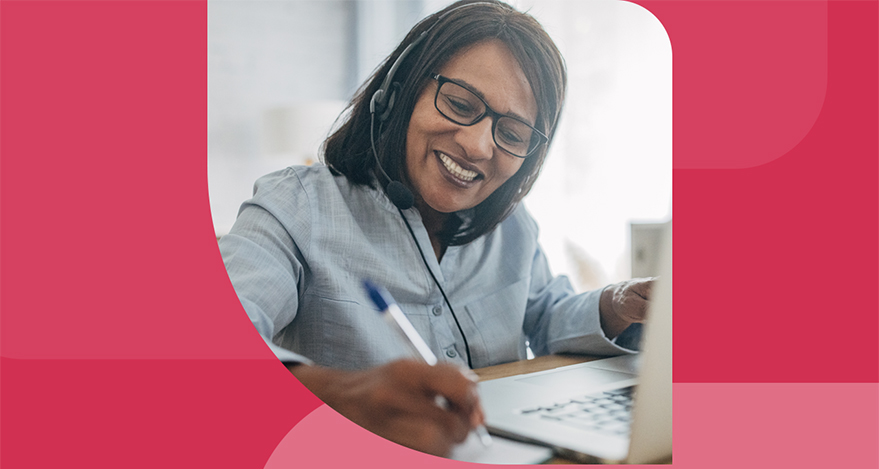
[{"x": 501, "y": 451}]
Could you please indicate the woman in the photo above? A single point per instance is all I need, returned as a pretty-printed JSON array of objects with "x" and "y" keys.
[{"x": 438, "y": 149}]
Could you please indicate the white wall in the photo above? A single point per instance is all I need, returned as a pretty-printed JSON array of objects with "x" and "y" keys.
[
  {"x": 611, "y": 163},
  {"x": 264, "y": 55}
]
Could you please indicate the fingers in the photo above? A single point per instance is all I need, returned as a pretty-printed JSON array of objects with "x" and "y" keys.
[
  {"x": 629, "y": 305},
  {"x": 641, "y": 286},
  {"x": 408, "y": 407},
  {"x": 627, "y": 302},
  {"x": 440, "y": 402},
  {"x": 455, "y": 387},
  {"x": 427, "y": 408}
]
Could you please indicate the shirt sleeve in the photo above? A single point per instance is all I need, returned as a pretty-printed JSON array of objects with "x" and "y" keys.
[
  {"x": 266, "y": 266},
  {"x": 558, "y": 320}
]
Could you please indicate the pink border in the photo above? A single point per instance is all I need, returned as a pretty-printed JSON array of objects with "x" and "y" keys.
[{"x": 122, "y": 343}]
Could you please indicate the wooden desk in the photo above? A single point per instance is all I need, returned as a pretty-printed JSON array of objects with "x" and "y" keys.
[{"x": 547, "y": 362}]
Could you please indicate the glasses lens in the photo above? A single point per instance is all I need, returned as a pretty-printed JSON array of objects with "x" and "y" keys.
[
  {"x": 514, "y": 136},
  {"x": 459, "y": 104}
]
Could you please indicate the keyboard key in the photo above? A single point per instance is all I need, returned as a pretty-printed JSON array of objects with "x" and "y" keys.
[
  {"x": 529, "y": 410},
  {"x": 605, "y": 412}
]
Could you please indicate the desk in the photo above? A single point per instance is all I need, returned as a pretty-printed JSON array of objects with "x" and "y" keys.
[{"x": 547, "y": 362}]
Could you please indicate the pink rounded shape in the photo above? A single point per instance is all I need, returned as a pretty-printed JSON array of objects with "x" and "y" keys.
[
  {"x": 326, "y": 439},
  {"x": 750, "y": 79}
]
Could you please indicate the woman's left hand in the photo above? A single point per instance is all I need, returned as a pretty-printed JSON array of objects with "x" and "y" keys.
[{"x": 624, "y": 303}]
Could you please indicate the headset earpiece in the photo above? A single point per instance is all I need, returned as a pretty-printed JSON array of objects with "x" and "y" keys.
[
  {"x": 382, "y": 101},
  {"x": 390, "y": 99},
  {"x": 376, "y": 104}
]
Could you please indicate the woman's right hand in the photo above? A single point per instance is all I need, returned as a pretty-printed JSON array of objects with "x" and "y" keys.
[{"x": 399, "y": 401}]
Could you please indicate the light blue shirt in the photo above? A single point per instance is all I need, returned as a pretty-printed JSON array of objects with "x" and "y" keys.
[{"x": 302, "y": 245}]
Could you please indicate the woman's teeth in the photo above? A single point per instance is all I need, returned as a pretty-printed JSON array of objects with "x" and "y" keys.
[{"x": 456, "y": 170}]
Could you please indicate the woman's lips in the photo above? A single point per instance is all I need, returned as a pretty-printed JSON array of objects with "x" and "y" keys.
[{"x": 455, "y": 173}]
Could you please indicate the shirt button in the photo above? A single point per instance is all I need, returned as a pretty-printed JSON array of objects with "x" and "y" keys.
[
  {"x": 437, "y": 310},
  {"x": 451, "y": 353}
]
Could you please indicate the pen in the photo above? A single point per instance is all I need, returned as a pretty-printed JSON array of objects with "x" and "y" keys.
[{"x": 394, "y": 316}]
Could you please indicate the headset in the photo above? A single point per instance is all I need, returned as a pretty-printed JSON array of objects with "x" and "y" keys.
[
  {"x": 382, "y": 101},
  {"x": 380, "y": 105}
]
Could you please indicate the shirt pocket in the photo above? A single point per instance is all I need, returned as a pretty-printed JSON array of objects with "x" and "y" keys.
[
  {"x": 345, "y": 334},
  {"x": 498, "y": 318}
]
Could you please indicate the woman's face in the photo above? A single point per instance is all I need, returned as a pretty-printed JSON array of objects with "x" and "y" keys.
[{"x": 454, "y": 167}]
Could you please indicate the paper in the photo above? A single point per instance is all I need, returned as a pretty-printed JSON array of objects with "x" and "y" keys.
[{"x": 501, "y": 451}]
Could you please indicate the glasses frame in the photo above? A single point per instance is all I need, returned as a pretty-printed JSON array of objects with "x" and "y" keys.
[{"x": 441, "y": 80}]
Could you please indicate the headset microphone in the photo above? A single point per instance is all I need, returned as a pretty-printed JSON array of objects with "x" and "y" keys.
[
  {"x": 382, "y": 103},
  {"x": 400, "y": 195}
]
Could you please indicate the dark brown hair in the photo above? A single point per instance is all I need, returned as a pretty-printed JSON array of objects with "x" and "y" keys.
[{"x": 348, "y": 150}]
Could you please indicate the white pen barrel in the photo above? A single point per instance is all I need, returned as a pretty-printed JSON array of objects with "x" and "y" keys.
[{"x": 395, "y": 317}]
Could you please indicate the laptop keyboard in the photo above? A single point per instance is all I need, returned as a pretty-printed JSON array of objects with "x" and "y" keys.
[{"x": 605, "y": 412}]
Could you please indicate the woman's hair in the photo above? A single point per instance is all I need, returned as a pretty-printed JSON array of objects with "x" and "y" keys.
[{"x": 348, "y": 150}]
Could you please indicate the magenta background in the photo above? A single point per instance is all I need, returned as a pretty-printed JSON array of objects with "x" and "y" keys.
[{"x": 122, "y": 343}]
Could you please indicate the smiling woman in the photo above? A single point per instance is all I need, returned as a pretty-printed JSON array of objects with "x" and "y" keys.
[
  {"x": 455, "y": 167},
  {"x": 460, "y": 117},
  {"x": 512, "y": 58}
]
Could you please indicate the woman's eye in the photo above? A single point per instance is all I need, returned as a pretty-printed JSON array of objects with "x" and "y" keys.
[
  {"x": 510, "y": 135},
  {"x": 460, "y": 106}
]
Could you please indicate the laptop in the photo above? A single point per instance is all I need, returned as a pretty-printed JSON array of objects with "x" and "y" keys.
[{"x": 613, "y": 410}]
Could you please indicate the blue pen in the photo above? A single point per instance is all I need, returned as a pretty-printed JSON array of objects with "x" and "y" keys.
[{"x": 394, "y": 316}]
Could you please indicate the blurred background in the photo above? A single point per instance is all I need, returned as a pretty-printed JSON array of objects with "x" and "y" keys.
[{"x": 280, "y": 72}]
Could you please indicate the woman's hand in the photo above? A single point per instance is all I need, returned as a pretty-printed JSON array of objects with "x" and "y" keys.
[
  {"x": 623, "y": 303},
  {"x": 399, "y": 401}
]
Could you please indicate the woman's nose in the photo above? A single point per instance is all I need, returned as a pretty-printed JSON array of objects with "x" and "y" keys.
[{"x": 477, "y": 139}]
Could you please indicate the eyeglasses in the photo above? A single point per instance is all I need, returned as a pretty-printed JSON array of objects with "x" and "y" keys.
[{"x": 463, "y": 107}]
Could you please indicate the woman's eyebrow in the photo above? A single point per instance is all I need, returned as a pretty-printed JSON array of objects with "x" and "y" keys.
[
  {"x": 469, "y": 87},
  {"x": 476, "y": 91}
]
